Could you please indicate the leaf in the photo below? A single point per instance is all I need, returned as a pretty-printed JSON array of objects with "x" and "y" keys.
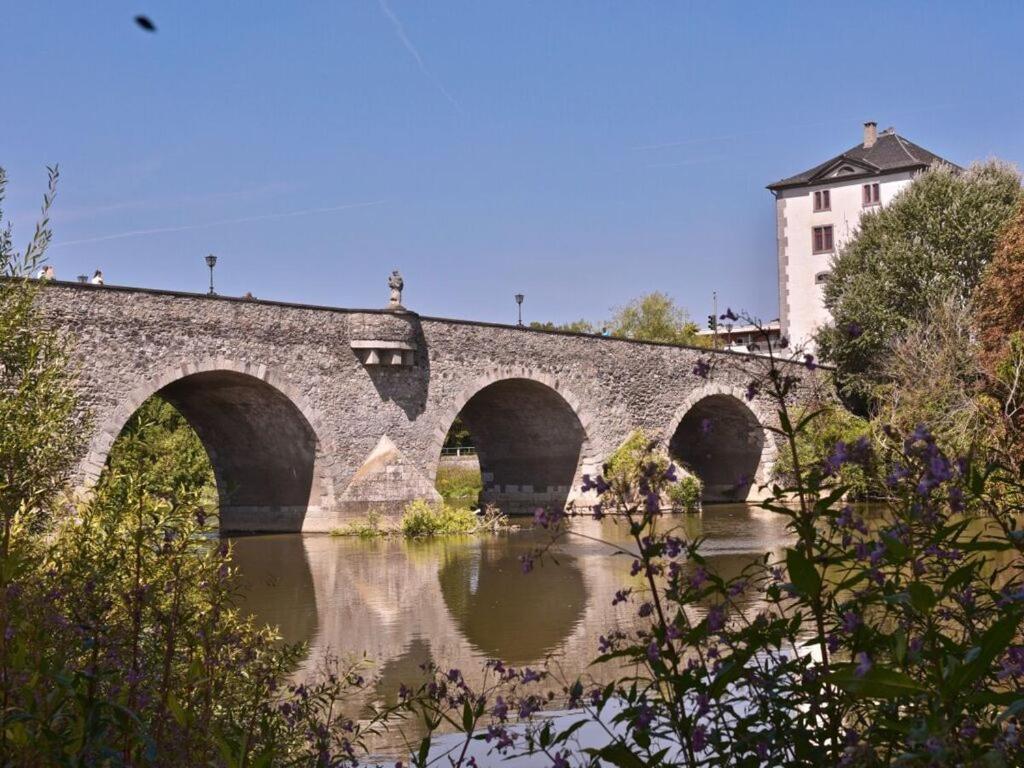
[
  {"x": 878, "y": 683},
  {"x": 992, "y": 643},
  {"x": 620, "y": 755},
  {"x": 921, "y": 596},
  {"x": 802, "y": 573}
]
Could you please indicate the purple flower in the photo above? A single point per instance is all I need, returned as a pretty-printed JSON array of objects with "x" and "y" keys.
[
  {"x": 752, "y": 389},
  {"x": 653, "y": 653},
  {"x": 851, "y": 620},
  {"x": 729, "y": 315},
  {"x": 809, "y": 363},
  {"x": 699, "y": 577},
  {"x": 700, "y": 738},
  {"x": 526, "y": 563},
  {"x": 863, "y": 664},
  {"x": 621, "y": 596},
  {"x": 701, "y": 368},
  {"x": 500, "y": 710},
  {"x": 716, "y": 618},
  {"x": 854, "y": 331}
]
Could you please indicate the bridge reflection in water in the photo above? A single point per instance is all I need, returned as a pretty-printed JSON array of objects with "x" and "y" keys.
[{"x": 461, "y": 601}]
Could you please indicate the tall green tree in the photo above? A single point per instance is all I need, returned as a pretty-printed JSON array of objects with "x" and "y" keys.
[
  {"x": 654, "y": 317},
  {"x": 931, "y": 243}
]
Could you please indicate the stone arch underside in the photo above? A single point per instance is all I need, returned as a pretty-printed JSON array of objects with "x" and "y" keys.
[
  {"x": 722, "y": 441},
  {"x": 529, "y": 443},
  {"x": 266, "y": 455}
]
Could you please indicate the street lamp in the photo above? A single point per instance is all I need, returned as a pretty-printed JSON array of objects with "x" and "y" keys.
[
  {"x": 519, "y": 301},
  {"x": 82, "y": 278},
  {"x": 211, "y": 262}
]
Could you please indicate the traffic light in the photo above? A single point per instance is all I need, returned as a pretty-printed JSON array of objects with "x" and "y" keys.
[{"x": 712, "y": 322}]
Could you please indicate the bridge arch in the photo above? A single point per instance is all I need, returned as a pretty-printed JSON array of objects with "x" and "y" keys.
[
  {"x": 719, "y": 435},
  {"x": 260, "y": 432},
  {"x": 531, "y": 434}
]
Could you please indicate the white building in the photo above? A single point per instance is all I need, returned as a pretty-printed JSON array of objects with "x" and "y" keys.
[{"x": 818, "y": 210}]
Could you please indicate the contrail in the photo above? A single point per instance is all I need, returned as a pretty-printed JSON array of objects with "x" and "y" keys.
[
  {"x": 400, "y": 31},
  {"x": 243, "y": 220}
]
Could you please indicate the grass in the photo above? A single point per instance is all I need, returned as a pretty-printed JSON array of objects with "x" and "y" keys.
[
  {"x": 459, "y": 486},
  {"x": 422, "y": 519}
]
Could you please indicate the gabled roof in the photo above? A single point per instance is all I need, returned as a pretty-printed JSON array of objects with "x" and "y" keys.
[{"x": 889, "y": 154}]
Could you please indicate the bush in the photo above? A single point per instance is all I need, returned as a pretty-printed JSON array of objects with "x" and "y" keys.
[
  {"x": 639, "y": 457},
  {"x": 422, "y": 518},
  {"x": 685, "y": 494},
  {"x": 831, "y": 426}
]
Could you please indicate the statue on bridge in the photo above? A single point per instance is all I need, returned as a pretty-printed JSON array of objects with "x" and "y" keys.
[{"x": 396, "y": 284}]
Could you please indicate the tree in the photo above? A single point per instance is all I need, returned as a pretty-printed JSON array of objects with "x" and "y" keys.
[
  {"x": 654, "y": 317},
  {"x": 576, "y": 326},
  {"x": 930, "y": 243},
  {"x": 38, "y": 439},
  {"x": 999, "y": 300}
]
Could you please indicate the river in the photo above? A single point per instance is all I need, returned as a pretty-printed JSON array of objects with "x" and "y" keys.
[{"x": 461, "y": 601}]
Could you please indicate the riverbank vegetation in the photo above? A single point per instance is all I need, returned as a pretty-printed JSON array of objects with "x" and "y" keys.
[{"x": 422, "y": 518}]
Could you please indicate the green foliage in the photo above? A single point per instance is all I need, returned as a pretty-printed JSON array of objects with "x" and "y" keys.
[
  {"x": 369, "y": 527},
  {"x": 576, "y": 326},
  {"x": 950, "y": 397},
  {"x": 685, "y": 494},
  {"x": 422, "y": 518},
  {"x": 160, "y": 447},
  {"x": 827, "y": 424},
  {"x": 40, "y": 431},
  {"x": 639, "y": 458},
  {"x": 627, "y": 464},
  {"x": 458, "y": 435},
  {"x": 459, "y": 486},
  {"x": 932, "y": 242},
  {"x": 654, "y": 317}
]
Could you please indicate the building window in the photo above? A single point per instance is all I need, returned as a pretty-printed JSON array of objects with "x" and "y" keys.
[
  {"x": 871, "y": 195},
  {"x": 822, "y": 239},
  {"x": 822, "y": 200},
  {"x": 821, "y": 278}
]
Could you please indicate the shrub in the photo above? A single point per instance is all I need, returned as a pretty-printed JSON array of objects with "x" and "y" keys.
[
  {"x": 998, "y": 303},
  {"x": 421, "y": 518},
  {"x": 830, "y": 424},
  {"x": 637, "y": 458},
  {"x": 685, "y": 494}
]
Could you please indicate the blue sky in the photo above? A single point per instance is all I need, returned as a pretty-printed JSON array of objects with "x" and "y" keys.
[{"x": 582, "y": 153}]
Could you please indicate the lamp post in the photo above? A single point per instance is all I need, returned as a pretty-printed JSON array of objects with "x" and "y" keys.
[
  {"x": 83, "y": 278},
  {"x": 519, "y": 302},
  {"x": 211, "y": 262}
]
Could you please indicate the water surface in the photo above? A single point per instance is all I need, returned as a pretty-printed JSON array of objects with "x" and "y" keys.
[{"x": 461, "y": 601}]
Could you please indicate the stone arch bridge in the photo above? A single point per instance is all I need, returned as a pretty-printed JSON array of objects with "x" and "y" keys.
[{"x": 313, "y": 415}]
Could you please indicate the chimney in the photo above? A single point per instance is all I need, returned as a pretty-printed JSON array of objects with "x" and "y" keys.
[{"x": 870, "y": 134}]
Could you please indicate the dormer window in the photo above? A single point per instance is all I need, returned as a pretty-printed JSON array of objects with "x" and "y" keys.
[
  {"x": 822, "y": 200},
  {"x": 821, "y": 239},
  {"x": 871, "y": 195}
]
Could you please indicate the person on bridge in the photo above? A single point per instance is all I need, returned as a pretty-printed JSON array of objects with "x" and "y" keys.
[
  {"x": 46, "y": 273},
  {"x": 97, "y": 278}
]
